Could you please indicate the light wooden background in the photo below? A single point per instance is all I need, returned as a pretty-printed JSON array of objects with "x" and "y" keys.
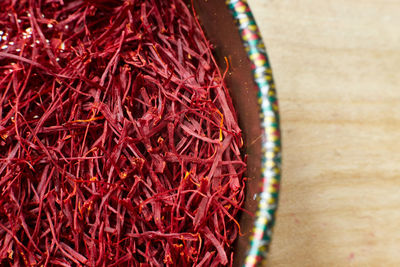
[{"x": 337, "y": 68}]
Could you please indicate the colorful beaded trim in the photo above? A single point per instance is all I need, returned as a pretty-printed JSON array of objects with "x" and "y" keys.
[{"x": 271, "y": 145}]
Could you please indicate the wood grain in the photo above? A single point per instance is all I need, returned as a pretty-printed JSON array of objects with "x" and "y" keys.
[{"x": 337, "y": 70}]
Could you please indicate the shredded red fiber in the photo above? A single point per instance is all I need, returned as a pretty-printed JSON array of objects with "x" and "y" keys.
[{"x": 119, "y": 143}]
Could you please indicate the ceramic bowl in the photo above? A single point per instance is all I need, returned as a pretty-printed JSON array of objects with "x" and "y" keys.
[{"x": 233, "y": 32}]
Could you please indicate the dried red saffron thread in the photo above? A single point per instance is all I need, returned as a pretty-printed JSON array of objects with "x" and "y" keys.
[{"x": 119, "y": 144}]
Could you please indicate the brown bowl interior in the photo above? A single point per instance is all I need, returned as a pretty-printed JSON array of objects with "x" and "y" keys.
[{"x": 222, "y": 32}]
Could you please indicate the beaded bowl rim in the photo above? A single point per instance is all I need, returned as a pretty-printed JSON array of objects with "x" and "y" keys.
[{"x": 267, "y": 199}]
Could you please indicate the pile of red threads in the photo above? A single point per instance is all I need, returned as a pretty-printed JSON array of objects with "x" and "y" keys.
[{"x": 119, "y": 143}]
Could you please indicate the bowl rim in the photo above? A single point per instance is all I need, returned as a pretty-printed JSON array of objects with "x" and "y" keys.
[{"x": 271, "y": 138}]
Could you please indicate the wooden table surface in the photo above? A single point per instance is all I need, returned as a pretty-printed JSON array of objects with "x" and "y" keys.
[{"x": 337, "y": 71}]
